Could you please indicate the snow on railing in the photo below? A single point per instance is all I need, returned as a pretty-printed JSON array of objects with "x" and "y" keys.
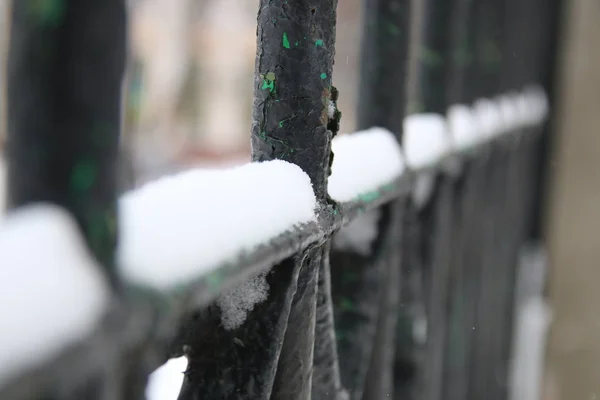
[
  {"x": 53, "y": 293},
  {"x": 183, "y": 226}
]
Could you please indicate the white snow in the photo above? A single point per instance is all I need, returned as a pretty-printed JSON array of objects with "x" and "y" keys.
[
  {"x": 179, "y": 227},
  {"x": 488, "y": 117},
  {"x": 331, "y": 109},
  {"x": 362, "y": 162},
  {"x": 53, "y": 293},
  {"x": 510, "y": 116},
  {"x": 359, "y": 234},
  {"x": 165, "y": 383},
  {"x": 538, "y": 103},
  {"x": 2, "y": 186},
  {"x": 463, "y": 127},
  {"x": 426, "y": 139},
  {"x": 238, "y": 302}
]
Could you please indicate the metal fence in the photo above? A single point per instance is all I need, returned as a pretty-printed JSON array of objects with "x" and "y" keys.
[{"x": 337, "y": 323}]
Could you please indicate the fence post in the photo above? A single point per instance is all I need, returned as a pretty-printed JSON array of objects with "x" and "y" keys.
[
  {"x": 294, "y": 66},
  {"x": 271, "y": 355},
  {"x": 65, "y": 67}
]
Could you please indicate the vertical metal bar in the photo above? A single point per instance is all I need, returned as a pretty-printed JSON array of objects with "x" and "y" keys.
[
  {"x": 326, "y": 380},
  {"x": 240, "y": 363},
  {"x": 65, "y": 67},
  {"x": 271, "y": 355},
  {"x": 366, "y": 304},
  {"x": 435, "y": 55},
  {"x": 293, "y": 90},
  {"x": 442, "y": 57},
  {"x": 437, "y": 274},
  {"x": 380, "y": 376},
  {"x": 487, "y": 76},
  {"x": 384, "y": 64},
  {"x": 460, "y": 91}
]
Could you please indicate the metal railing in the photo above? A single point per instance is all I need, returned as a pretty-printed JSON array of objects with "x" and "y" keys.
[{"x": 337, "y": 323}]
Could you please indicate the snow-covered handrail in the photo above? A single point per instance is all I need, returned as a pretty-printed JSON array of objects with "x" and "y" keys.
[
  {"x": 53, "y": 294},
  {"x": 280, "y": 279}
]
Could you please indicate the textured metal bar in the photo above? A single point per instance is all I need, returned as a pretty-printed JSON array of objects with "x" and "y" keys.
[
  {"x": 239, "y": 363},
  {"x": 326, "y": 381},
  {"x": 293, "y": 93},
  {"x": 66, "y": 63}
]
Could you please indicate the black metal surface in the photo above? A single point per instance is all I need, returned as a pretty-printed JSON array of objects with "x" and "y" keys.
[
  {"x": 65, "y": 66},
  {"x": 292, "y": 87},
  {"x": 384, "y": 64},
  {"x": 435, "y": 54}
]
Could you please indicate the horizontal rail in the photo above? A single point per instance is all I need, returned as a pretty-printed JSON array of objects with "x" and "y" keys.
[
  {"x": 166, "y": 308},
  {"x": 282, "y": 308}
]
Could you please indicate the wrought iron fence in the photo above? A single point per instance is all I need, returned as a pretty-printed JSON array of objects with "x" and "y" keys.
[{"x": 425, "y": 312}]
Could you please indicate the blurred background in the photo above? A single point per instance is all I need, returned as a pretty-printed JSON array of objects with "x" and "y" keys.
[
  {"x": 189, "y": 98},
  {"x": 191, "y": 80}
]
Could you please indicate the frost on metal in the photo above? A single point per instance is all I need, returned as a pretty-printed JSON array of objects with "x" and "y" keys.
[
  {"x": 363, "y": 162},
  {"x": 238, "y": 302},
  {"x": 177, "y": 228},
  {"x": 53, "y": 293}
]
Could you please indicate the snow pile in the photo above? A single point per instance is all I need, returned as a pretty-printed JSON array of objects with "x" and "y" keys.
[
  {"x": 426, "y": 139},
  {"x": 488, "y": 118},
  {"x": 359, "y": 235},
  {"x": 362, "y": 162},
  {"x": 538, "y": 103},
  {"x": 178, "y": 228},
  {"x": 165, "y": 383},
  {"x": 53, "y": 292},
  {"x": 509, "y": 111},
  {"x": 463, "y": 127},
  {"x": 238, "y": 302}
]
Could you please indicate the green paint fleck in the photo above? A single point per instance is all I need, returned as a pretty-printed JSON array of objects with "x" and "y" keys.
[
  {"x": 47, "y": 12},
  {"x": 368, "y": 197},
  {"x": 83, "y": 177},
  {"x": 281, "y": 124},
  {"x": 319, "y": 43},
  {"x": 297, "y": 43},
  {"x": 323, "y": 75},
  {"x": 286, "y": 42},
  {"x": 269, "y": 82},
  {"x": 215, "y": 280}
]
